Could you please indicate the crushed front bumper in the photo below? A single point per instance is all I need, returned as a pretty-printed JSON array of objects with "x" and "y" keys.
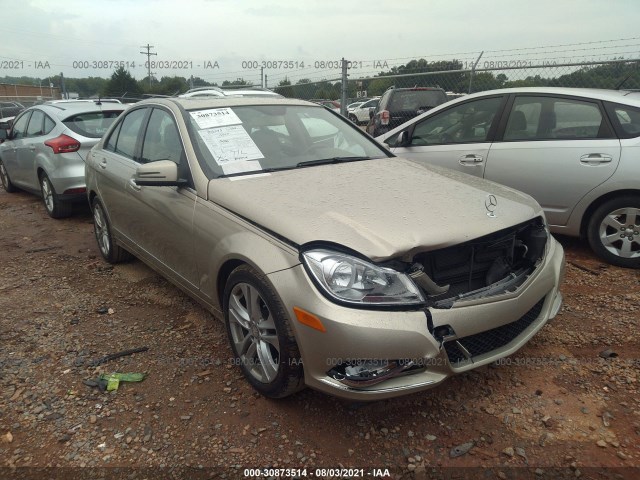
[{"x": 478, "y": 332}]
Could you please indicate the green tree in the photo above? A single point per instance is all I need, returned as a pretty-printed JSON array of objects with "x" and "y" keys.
[
  {"x": 122, "y": 83},
  {"x": 284, "y": 88}
]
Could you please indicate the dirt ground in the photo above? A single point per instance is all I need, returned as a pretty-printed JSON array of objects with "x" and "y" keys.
[{"x": 556, "y": 409}]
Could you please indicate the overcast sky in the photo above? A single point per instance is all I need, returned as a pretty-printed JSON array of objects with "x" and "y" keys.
[{"x": 226, "y": 39}]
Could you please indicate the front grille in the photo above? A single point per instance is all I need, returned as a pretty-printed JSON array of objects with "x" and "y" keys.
[
  {"x": 484, "y": 342},
  {"x": 475, "y": 264}
]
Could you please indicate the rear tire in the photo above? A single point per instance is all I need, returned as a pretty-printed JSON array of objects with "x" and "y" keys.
[
  {"x": 261, "y": 338},
  {"x": 614, "y": 231},
  {"x": 111, "y": 252},
  {"x": 52, "y": 204},
  {"x": 6, "y": 181}
]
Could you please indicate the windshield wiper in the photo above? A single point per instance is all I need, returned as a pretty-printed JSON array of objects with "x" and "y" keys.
[
  {"x": 255, "y": 172},
  {"x": 326, "y": 161}
]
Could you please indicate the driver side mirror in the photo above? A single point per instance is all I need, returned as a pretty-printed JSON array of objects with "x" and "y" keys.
[
  {"x": 4, "y": 134},
  {"x": 161, "y": 173},
  {"x": 403, "y": 139},
  {"x": 400, "y": 140}
]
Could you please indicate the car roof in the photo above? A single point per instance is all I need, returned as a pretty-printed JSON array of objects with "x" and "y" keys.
[
  {"x": 64, "y": 110},
  {"x": 218, "y": 92},
  {"x": 83, "y": 100},
  {"x": 620, "y": 96},
  {"x": 195, "y": 103}
]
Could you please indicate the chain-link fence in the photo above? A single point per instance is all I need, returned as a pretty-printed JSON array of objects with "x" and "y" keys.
[
  {"x": 481, "y": 76},
  {"x": 347, "y": 81}
]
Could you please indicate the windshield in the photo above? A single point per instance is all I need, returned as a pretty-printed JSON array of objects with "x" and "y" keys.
[{"x": 263, "y": 138}]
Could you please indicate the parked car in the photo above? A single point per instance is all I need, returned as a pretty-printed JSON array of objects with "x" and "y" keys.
[
  {"x": 335, "y": 265},
  {"x": 398, "y": 105},
  {"x": 352, "y": 106},
  {"x": 43, "y": 151},
  {"x": 9, "y": 110},
  {"x": 360, "y": 114},
  {"x": 574, "y": 150}
]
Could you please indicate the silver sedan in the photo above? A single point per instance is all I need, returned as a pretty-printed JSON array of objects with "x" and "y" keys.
[{"x": 574, "y": 150}]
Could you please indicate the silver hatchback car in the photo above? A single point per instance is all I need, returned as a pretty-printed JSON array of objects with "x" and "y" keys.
[
  {"x": 43, "y": 152},
  {"x": 574, "y": 150},
  {"x": 333, "y": 264}
]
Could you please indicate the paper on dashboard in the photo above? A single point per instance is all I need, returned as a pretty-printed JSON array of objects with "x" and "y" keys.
[{"x": 230, "y": 144}]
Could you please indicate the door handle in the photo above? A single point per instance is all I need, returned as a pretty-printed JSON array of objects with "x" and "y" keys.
[
  {"x": 134, "y": 185},
  {"x": 595, "y": 159},
  {"x": 32, "y": 148},
  {"x": 471, "y": 159},
  {"x": 103, "y": 163}
]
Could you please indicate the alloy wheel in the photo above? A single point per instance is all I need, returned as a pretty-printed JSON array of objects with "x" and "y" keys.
[
  {"x": 3, "y": 176},
  {"x": 47, "y": 194},
  {"x": 620, "y": 232},
  {"x": 253, "y": 332},
  {"x": 101, "y": 230}
]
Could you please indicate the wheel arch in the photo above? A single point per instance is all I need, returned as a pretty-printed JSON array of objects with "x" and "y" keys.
[
  {"x": 586, "y": 217},
  {"x": 223, "y": 276}
]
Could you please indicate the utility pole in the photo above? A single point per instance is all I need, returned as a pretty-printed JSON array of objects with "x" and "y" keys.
[
  {"x": 262, "y": 77},
  {"x": 148, "y": 54},
  {"x": 343, "y": 97},
  {"x": 62, "y": 87}
]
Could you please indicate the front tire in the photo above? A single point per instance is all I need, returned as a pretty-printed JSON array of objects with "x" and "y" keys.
[
  {"x": 614, "y": 231},
  {"x": 6, "y": 181},
  {"x": 52, "y": 204},
  {"x": 260, "y": 335},
  {"x": 111, "y": 252}
]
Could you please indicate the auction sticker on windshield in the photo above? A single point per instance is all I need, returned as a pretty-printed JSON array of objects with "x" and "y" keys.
[
  {"x": 230, "y": 144},
  {"x": 215, "y": 117}
]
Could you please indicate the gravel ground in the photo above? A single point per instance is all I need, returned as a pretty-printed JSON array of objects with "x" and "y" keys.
[{"x": 556, "y": 409}]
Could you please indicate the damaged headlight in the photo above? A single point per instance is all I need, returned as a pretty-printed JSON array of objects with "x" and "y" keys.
[{"x": 350, "y": 279}]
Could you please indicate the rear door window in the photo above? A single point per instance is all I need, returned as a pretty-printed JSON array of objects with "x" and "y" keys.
[
  {"x": 36, "y": 124},
  {"x": 550, "y": 118}
]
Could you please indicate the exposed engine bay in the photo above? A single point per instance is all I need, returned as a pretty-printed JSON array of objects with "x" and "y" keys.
[{"x": 482, "y": 267}]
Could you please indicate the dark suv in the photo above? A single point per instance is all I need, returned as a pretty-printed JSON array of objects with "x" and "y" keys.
[{"x": 397, "y": 105}]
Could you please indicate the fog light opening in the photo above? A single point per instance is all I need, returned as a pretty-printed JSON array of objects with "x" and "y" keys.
[{"x": 365, "y": 373}]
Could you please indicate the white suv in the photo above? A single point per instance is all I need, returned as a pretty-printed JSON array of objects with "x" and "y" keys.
[{"x": 361, "y": 114}]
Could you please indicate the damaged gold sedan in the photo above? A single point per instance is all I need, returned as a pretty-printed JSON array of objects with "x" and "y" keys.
[{"x": 334, "y": 264}]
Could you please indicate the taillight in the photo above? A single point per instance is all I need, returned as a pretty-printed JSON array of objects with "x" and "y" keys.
[
  {"x": 63, "y": 144},
  {"x": 384, "y": 117}
]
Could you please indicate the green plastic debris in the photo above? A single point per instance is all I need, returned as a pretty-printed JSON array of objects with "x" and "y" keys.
[{"x": 113, "y": 379}]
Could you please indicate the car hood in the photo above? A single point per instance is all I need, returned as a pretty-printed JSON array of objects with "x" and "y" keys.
[{"x": 381, "y": 208}]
